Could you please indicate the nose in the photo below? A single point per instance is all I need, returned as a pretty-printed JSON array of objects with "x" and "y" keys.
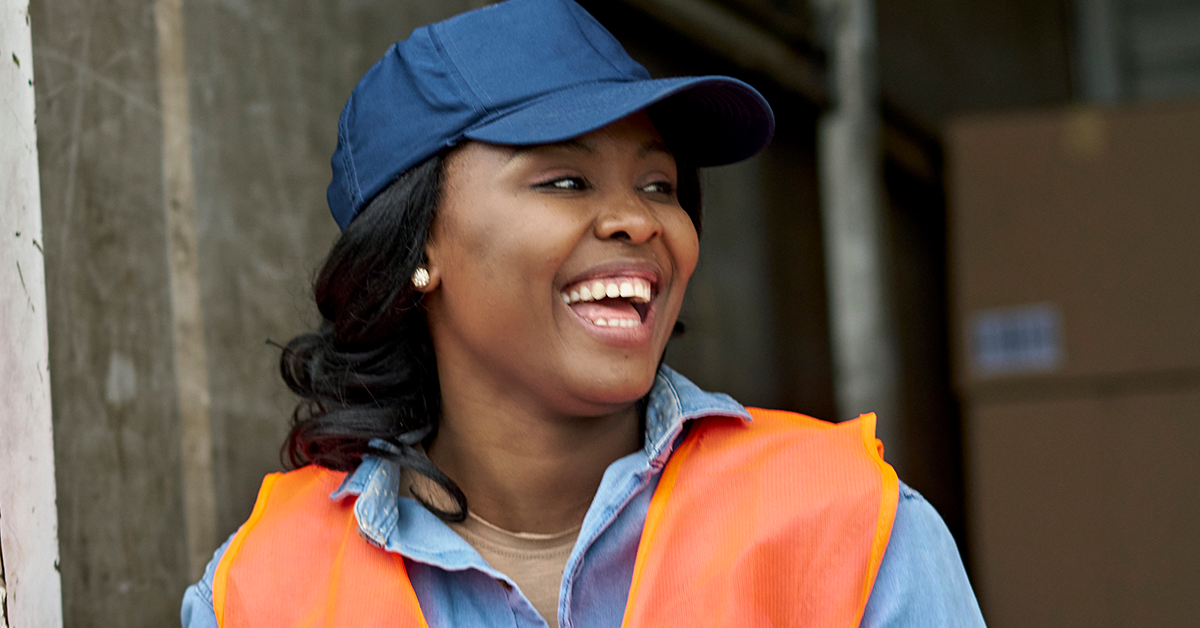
[{"x": 628, "y": 218}]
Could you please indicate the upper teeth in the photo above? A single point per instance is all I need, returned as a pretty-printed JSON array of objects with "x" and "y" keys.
[{"x": 635, "y": 289}]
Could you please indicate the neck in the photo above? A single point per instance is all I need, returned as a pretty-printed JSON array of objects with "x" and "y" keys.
[{"x": 527, "y": 472}]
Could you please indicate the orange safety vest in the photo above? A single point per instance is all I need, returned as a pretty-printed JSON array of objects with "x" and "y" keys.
[{"x": 782, "y": 521}]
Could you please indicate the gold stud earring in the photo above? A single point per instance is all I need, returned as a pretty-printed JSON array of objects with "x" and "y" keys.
[{"x": 420, "y": 277}]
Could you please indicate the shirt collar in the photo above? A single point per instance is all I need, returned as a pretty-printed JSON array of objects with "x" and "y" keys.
[
  {"x": 675, "y": 400},
  {"x": 405, "y": 526}
]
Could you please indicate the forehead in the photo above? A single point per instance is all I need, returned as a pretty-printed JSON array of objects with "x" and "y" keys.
[
  {"x": 636, "y": 129},
  {"x": 633, "y": 136}
]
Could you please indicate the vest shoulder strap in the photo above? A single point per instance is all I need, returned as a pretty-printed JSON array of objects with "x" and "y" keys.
[
  {"x": 305, "y": 564},
  {"x": 782, "y": 521}
]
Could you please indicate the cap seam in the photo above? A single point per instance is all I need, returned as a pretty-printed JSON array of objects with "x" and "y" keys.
[
  {"x": 464, "y": 77},
  {"x": 491, "y": 104},
  {"x": 355, "y": 189}
]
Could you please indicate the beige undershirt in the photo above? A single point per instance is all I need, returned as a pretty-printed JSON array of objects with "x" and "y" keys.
[{"x": 534, "y": 561}]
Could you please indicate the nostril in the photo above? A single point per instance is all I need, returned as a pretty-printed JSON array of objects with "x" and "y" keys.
[{"x": 621, "y": 235}]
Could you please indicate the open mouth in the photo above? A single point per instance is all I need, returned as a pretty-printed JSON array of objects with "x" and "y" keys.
[{"x": 617, "y": 301}]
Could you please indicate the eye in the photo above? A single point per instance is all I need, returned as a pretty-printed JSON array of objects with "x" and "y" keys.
[
  {"x": 566, "y": 184},
  {"x": 659, "y": 187}
]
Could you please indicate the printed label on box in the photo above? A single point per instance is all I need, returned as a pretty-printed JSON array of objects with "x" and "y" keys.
[{"x": 1017, "y": 340}]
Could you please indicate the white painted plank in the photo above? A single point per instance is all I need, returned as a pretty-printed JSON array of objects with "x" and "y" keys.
[{"x": 28, "y": 516}]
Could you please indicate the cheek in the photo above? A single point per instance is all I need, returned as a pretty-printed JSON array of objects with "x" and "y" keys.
[
  {"x": 526, "y": 246},
  {"x": 504, "y": 257},
  {"x": 685, "y": 245}
]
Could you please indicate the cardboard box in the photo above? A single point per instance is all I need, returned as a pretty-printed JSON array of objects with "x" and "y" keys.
[
  {"x": 1075, "y": 260},
  {"x": 1075, "y": 239},
  {"x": 1086, "y": 511}
]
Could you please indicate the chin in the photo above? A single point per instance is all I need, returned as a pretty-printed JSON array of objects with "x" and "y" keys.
[{"x": 613, "y": 390}]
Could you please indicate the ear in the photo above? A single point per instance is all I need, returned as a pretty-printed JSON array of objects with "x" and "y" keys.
[{"x": 432, "y": 259}]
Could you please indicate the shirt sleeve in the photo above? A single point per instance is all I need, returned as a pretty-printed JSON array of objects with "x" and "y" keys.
[
  {"x": 921, "y": 581},
  {"x": 197, "y": 611}
]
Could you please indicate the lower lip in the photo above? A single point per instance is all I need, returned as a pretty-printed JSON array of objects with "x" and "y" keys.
[{"x": 620, "y": 336}]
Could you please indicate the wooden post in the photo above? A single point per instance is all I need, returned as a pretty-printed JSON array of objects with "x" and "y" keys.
[
  {"x": 1097, "y": 62},
  {"x": 849, "y": 162}
]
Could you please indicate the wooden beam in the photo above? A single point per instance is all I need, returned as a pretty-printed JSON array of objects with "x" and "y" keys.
[
  {"x": 187, "y": 312},
  {"x": 728, "y": 34}
]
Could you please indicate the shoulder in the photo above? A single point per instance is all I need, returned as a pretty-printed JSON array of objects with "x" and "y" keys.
[
  {"x": 309, "y": 483},
  {"x": 782, "y": 423},
  {"x": 921, "y": 581},
  {"x": 794, "y": 425},
  {"x": 197, "y": 611},
  {"x": 797, "y": 442},
  {"x": 805, "y": 471}
]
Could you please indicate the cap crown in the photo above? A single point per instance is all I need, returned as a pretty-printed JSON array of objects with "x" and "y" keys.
[{"x": 429, "y": 90}]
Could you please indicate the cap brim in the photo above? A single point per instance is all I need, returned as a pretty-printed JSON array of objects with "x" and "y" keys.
[{"x": 707, "y": 121}]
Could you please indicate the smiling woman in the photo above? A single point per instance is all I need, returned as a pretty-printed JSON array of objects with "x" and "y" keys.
[
  {"x": 487, "y": 434},
  {"x": 518, "y": 230}
]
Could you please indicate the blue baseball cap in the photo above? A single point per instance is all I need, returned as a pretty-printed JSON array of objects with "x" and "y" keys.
[{"x": 524, "y": 72}]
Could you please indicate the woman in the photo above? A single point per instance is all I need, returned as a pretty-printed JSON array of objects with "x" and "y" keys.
[{"x": 488, "y": 436}]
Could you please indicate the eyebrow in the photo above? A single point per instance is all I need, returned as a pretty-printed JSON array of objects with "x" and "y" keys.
[
  {"x": 577, "y": 144},
  {"x": 654, "y": 146}
]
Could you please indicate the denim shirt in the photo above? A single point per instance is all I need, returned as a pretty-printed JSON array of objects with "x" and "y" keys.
[{"x": 921, "y": 581}]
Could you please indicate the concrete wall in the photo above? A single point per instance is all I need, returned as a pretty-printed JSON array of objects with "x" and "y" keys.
[
  {"x": 116, "y": 427},
  {"x": 267, "y": 81}
]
